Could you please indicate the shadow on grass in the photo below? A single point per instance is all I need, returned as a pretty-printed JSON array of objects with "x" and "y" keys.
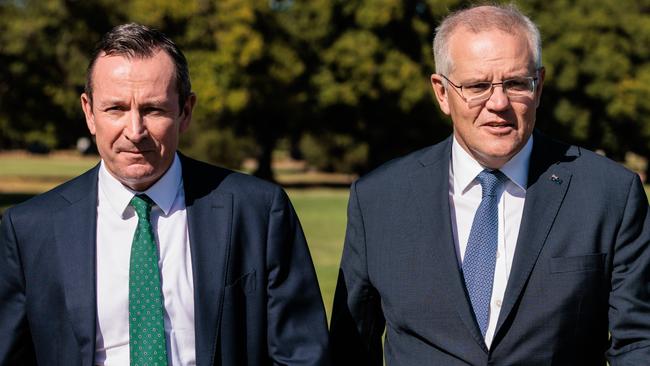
[{"x": 9, "y": 199}]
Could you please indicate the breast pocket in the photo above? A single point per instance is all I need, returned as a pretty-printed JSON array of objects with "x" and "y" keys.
[
  {"x": 245, "y": 283},
  {"x": 580, "y": 263},
  {"x": 236, "y": 296}
]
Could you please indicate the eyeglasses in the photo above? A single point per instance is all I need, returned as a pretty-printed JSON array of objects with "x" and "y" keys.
[{"x": 475, "y": 94}]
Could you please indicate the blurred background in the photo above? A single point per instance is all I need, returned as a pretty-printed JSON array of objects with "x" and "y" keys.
[{"x": 309, "y": 93}]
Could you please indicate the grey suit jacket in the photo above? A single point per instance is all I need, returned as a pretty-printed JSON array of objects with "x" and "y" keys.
[
  {"x": 581, "y": 268},
  {"x": 256, "y": 297}
]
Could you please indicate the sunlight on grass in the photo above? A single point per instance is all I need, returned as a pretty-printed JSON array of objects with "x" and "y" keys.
[
  {"x": 64, "y": 165},
  {"x": 322, "y": 213}
]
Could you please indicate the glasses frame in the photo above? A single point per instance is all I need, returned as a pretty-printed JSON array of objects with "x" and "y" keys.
[{"x": 481, "y": 100}]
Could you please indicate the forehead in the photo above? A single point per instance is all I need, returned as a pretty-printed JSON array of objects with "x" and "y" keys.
[
  {"x": 492, "y": 50},
  {"x": 123, "y": 72}
]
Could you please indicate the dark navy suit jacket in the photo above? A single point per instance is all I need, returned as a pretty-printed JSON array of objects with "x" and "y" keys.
[
  {"x": 581, "y": 268},
  {"x": 256, "y": 297}
]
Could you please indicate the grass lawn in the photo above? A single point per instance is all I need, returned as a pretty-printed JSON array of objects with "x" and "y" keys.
[
  {"x": 56, "y": 165},
  {"x": 22, "y": 173},
  {"x": 322, "y": 213}
]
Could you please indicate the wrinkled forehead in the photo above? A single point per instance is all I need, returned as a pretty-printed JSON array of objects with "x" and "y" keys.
[{"x": 489, "y": 45}]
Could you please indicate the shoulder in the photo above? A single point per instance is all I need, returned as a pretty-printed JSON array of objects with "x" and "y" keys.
[
  {"x": 63, "y": 195},
  {"x": 398, "y": 170},
  {"x": 201, "y": 178},
  {"x": 581, "y": 162},
  {"x": 592, "y": 179}
]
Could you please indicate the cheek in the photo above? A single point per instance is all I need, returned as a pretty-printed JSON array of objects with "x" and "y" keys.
[
  {"x": 464, "y": 117},
  {"x": 526, "y": 115},
  {"x": 110, "y": 139},
  {"x": 105, "y": 134},
  {"x": 166, "y": 136}
]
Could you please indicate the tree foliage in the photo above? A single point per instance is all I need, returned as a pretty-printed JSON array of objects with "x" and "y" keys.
[
  {"x": 43, "y": 55},
  {"x": 372, "y": 84},
  {"x": 346, "y": 82},
  {"x": 597, "y": 60}
]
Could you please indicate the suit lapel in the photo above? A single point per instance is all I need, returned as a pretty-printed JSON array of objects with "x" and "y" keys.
[
  {"x": 209, "y": 215},
  {"x": 75, "y": 238},
  {"x": 431, "y": 185},
  {"x": 547, "y": 185}
]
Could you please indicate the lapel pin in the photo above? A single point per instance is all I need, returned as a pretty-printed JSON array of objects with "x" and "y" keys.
[{"x": 556, "y": 179}]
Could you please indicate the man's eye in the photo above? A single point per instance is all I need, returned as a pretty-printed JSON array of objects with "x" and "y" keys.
[
  {"x": 477, "y": 87},
  {"x": 517, "y": 84},
  {"x": 152, "y": 110}
]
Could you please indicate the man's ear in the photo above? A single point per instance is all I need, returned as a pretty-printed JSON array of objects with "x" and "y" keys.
[
  {"x": 442, "y": 95},
  {"x": 87, "y": 107},
  {"x": 187, "y": 112}
]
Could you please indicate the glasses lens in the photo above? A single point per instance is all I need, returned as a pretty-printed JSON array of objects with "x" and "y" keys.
[
  {"x": 476, "y": 89},
  {"x": 519, "y": 86},
  {"x": 477, "y": 93}
]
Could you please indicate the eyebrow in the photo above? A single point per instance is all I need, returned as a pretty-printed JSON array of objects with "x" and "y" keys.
[
  {"x": 123, "y": 102},
  {"x": 473, "y": 80},
  {"x": 155, "y": 103}
]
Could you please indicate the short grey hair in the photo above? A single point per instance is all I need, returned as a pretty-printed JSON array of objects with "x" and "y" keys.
[{"x": 507, "y": 18}]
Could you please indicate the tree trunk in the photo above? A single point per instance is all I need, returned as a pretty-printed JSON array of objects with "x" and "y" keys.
[{"x": 264, "y": 159}]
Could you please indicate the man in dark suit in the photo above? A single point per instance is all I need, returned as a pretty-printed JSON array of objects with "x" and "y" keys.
[
  {"x": 497, "y": 246},
  {"x": 152, "y": 257}
]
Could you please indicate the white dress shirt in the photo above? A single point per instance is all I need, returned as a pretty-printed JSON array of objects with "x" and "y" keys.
[
  {"x": 465, "y": 197},
  {"x": 116, "y": 224}
]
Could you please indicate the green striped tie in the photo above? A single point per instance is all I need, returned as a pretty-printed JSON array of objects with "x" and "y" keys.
[{"x": 146, "y": 309}]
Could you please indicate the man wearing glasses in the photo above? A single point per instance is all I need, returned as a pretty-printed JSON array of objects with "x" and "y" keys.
[{"x": 499, "y": 245}]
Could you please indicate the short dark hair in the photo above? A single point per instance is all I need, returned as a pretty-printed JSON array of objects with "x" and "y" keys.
[{"x": 138, "y": 41}]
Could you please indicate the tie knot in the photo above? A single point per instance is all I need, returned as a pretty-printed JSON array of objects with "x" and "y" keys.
[
  {"x": 142, "y": 205},
  {"x": 490, "y": 181}
]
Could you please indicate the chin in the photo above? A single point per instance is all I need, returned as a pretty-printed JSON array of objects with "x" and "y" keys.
[
  {"x": 495, "y": 157},
  {"x": 504, "y": 146},
  {"x": 143, "y": 176}
]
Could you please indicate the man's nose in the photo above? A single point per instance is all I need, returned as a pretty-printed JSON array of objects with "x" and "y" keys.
[
  {"x": 499, "y": 99},
  {"x": 135, "y": 129}
]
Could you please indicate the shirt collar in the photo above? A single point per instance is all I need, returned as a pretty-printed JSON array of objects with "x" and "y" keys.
[
  {"x": 163, "y": 192},
  {"x": 465, "y": 169},
  {"x": 516, "y": 169}
]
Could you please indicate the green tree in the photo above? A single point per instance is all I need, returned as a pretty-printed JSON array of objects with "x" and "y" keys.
[
  {"x": 373, "y": 83},
  {"x": 43, "y": 55},
  {"x": 597, "y": 57},
  {"x": 351, "y": 76},
  {"x": 254, "y": 65}
]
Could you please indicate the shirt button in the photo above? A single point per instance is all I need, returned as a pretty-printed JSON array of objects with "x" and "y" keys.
[
  {"x": 498, "y": 254},
  {"x": 498, "y": 303}
]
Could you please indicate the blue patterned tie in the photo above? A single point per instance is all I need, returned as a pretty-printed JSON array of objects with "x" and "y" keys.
[
  {"x": 480, "y": 255},
  {"x": 146, "y": 309}
]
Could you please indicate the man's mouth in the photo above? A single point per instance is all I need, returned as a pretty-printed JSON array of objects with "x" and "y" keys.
[
  {"x": 499, "y": 127},
  {"x": 135, "y": 152}
]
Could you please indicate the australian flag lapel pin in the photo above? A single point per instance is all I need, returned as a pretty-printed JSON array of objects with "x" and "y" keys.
[{"x": 555, "y": 179}]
